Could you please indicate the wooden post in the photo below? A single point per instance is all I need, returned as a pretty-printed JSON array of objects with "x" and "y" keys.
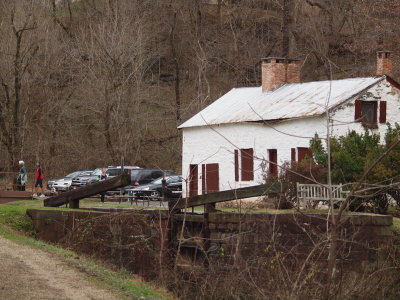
[
  {"x": 298, "y": 193},
  {"x": 74, "y": 203},
  {"x": 164, "y": 189},
  {"x": 122, "y": 172}
]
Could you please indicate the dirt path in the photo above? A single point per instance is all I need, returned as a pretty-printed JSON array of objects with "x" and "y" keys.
[{"x": 27, "y": 273}]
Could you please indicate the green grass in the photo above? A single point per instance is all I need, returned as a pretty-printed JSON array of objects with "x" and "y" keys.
[
  {"x": 13, "y": 215},
  {"x": 396, "y": 226},
  {"x": 95, "y": 203},
  {"x": 15, "y": 225}
]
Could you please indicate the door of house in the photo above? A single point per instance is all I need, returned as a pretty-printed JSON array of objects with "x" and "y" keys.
[
  {"x": 193, "y": 180},
  {"x": 210, "y": 178}
]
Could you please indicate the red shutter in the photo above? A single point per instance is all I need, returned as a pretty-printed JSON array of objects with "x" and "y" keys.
[
  {"x": 273, "y": 160},
  {"x": 357, "y": 115},
  {"x": 247, "y": 164},
  {"x": 203, "y": 178},
  {"x": 382, "y": 112},
  {"x": 236, "y": 165},
  {"x": 303, "y": 152},
  {"x": 293, "y": 154},
  {"x": 193, "y": 184},
  {"x": 212, "y": 178}
]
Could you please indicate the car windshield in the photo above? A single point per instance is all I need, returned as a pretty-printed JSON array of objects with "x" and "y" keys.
[
  {"x": 174, "y": 179},
  {"x": 113, "y": 172},
  {"x": 97, "y": 172},
  {"x": 171, "y": 179},
  {"x": 157, "y": 181},
  {"x": 116, "y": 171},
  {"x": 73, "y": 174},
  {"x": 85, "y": 173}
]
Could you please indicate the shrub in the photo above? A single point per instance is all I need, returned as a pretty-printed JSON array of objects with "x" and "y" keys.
[{"x": 353, "y": 154}]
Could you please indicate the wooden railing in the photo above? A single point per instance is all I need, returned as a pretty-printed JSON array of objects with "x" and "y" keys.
[
  {"x": 73, "y": 197},
  {"x": 223, "y": 196},
  {"x": 8, "y": 181}
]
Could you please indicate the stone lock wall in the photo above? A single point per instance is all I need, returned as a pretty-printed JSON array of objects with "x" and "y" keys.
[
  {"x": 221, "y": 235},
  {"x": 231, "y": 235}
]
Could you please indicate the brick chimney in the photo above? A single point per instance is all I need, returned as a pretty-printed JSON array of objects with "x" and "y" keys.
[
  {"x": 384, "y": 63},
  {"x": 276, "y": 71}
]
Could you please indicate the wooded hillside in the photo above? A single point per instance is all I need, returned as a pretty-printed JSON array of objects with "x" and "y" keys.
[{"x": 83, "y": 83}]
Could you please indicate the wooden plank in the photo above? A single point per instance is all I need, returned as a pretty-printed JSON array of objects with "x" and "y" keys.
[
  {"x": 86, "y": 191},
  {"x": 16, "y": 194},
  {"x": 229, "y": 195},
  {"x": 7, "y": 200}
]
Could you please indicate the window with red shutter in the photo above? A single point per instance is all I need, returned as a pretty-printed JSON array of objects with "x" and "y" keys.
[
  {"x": 247, "y": 164},
  {"x": 302, "y": 153},
  {"x": 366, "y": 112},
  {"x": 369, "y": 112},
  {"x": 382, "y": 112}
]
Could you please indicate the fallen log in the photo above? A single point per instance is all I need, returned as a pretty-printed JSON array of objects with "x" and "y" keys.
[{"x": 73, "y": 197}]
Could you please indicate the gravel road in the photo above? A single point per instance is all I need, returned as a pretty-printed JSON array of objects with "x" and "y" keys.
[{"x": 27, "y": 273}]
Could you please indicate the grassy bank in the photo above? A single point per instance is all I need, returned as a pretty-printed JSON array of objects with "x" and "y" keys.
[{"x": 15, "y": 225}]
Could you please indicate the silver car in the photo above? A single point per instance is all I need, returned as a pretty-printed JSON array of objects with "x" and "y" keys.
[{"x": 62, "y": 184}]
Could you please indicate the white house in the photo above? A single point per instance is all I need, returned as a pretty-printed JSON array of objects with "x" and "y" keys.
[{"x": 225, "y": 144}]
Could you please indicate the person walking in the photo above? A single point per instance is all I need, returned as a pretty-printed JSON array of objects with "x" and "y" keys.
[
  {"x": 39, "y": 180},
  {"x": 22, "y": 176}
]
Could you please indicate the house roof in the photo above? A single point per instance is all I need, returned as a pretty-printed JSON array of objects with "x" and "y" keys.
[{"x": 294, "y": 100}]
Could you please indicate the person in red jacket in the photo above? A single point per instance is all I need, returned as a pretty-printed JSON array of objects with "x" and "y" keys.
[{"x": 39, "y": 179}]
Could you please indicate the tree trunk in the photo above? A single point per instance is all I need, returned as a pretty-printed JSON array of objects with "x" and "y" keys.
[
  {"x": 286, "y": 28},
  {"x": 177, "y": 75},
  {"x": 107, "y": 130},
  {"x": 219, "y": 15}
]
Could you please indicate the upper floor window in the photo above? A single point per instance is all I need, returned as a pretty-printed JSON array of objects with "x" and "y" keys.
[
  {"x": 366, "y": 112},
  {"x": 369, "y": 112}
]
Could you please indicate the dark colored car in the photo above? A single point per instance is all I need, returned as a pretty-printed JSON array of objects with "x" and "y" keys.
[
  {"x": 85, "y": 178},
  {"x": 153, "y": 190},
  {"x": 142, "y": 176},
  {"x": 115, "y": 171}
]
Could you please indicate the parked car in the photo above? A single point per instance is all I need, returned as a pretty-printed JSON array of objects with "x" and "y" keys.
[
  {"x": 153, "y": 190},
  {"x": 145, "y": 176},
  {"x": 84, "y": 178},
  {"x": 64, "y": 183},
  {"x": 142, "y": 176},
  {"x": 115, "y": 171}
]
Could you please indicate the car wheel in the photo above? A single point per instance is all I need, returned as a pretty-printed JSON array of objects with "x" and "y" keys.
[{"x": 155, "y": 195}]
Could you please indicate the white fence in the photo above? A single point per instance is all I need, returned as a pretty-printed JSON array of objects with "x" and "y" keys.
[{"x": 309, "y": 193}]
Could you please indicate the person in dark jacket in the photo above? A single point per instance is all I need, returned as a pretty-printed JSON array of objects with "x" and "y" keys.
[
  {"x": 22, "y": 176},
  {"x": 39, "y": 179},
  {"x": 103, "y": 177}
]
